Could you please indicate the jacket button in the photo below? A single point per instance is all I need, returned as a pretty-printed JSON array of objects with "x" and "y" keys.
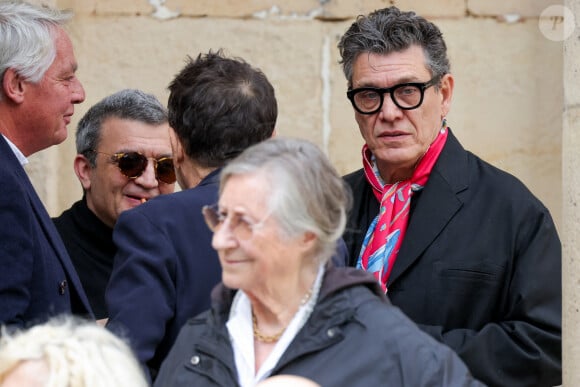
[
  {"x": 331, "y": 332},
  {"x": 62, "y": 288},
  {"x": 194, "y": 360}
]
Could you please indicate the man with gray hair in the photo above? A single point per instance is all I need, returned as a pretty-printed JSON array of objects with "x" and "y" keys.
[
  {"x": 123, "y": 159},
  {"x": 463, "y": 248},
  {"x": 38, "y": 91}
]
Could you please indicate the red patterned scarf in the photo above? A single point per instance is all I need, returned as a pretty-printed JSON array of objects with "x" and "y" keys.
[{"x": 387, "y": 231}]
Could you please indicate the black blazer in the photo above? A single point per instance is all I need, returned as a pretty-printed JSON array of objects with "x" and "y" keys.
[
  {"x": 479, "y": 269},
  {"x": 37, "y": 278}
]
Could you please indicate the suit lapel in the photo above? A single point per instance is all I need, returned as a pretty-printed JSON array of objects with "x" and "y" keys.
[
  {"x": 435, "y": 206},
  {"x": 57, "y": 245},
  {"x": 40, "y": 212},
  {"x": 45, "y": 223}
]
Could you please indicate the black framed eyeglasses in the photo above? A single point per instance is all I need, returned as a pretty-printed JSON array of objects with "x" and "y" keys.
[
  {"x": 133, "y": 164},
  {"x": 407, "y": 96}
]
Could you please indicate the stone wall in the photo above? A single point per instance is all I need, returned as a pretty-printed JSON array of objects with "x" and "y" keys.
[
  {"x": 570, "y": 232},
  {"x": 507, "y": 104}
]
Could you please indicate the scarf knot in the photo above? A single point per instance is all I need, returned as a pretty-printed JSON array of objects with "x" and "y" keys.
[{"x": 386, "y": 232}]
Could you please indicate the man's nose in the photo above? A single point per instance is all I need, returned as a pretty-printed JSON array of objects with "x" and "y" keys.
[
  {"x": 147, "y": 179},
  {"x": 78, "y": 91},
  {"x": 390, "y": 111}
]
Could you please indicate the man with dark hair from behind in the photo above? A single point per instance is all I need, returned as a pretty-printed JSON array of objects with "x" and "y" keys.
[{"x": 165, "y": 266}]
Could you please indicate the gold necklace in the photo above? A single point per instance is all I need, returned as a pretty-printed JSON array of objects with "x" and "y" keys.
[
  {"x": 259, "y": 336},
  {"x": 262, "y": 337}
]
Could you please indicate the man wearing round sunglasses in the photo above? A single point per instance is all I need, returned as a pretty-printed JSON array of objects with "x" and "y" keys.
[
  {"x": 464, "y": 249},
  {"x": 123, "y": 160}
]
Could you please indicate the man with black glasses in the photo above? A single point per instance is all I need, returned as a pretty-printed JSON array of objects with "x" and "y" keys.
[
  {"x": 123, "y": 159},
  {"x": 464, "y": 249}
]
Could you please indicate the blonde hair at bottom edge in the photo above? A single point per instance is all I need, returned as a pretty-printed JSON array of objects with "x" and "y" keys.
[
  {"x": 287, "y": 381},
  {"x": 75, "y": 353}
]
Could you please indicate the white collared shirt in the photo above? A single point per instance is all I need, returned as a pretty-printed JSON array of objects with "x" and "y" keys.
[
  {"x": 21, "y": 158},
  {"x": 241, "y": 333}
]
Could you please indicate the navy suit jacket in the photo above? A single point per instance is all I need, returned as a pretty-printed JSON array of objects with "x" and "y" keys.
[
  {"x": 164, "y": 269},
  {"x": 37, "y": 278}
]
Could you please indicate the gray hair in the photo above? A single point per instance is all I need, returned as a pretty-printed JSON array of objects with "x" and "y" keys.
[
  {"x": 77, "y": 353},
  {"x": 307, "y": 193},
  {"x": 390, "y": 30},
  {"x": 27, "y": 34},
  {"x": 128, "y": 104}
]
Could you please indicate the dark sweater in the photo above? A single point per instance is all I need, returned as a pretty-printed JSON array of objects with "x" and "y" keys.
[{"x": 90, "y": 245}]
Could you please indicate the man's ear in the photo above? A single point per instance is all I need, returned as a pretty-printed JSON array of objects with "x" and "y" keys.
[
  {"x": 82, "y": 167},
  {"x": 447, "y": 84},
  {"x": 176, "y": 148},
  {"x": 13, "y": 86}
]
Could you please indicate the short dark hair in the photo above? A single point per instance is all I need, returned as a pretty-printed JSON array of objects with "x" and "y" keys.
[
  {"x": 390, "y": 30},
  {"x": 219, "y": 106}
]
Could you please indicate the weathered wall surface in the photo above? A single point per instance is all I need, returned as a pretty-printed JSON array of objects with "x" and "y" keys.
[
  {"x": 570, "y": 232},
  {"x": 507, "y": 104}
]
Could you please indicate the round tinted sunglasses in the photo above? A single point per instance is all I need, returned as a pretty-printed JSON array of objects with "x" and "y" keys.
[{"x": 133, "y": 164}]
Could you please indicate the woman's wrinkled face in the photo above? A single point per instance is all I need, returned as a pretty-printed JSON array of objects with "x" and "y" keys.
[{"x": 253, "y": 252}]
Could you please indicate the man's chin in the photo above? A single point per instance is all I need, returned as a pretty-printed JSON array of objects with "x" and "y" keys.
[
  {"x": 60, "y": 136},
  {"x": 130, "y": 203}
]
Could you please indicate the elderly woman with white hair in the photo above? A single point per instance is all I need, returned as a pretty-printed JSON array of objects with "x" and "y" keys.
[{"x": 282, "y": 307}]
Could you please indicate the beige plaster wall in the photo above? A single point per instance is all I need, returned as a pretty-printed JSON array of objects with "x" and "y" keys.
[
  {"x": 571, "y": 198},
  {"x": 507, "y": 105}
]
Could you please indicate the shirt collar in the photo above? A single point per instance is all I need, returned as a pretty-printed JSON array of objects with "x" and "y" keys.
[
  {"x": 240, "y": 328},
  {"x": 21, "y": 158}
]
